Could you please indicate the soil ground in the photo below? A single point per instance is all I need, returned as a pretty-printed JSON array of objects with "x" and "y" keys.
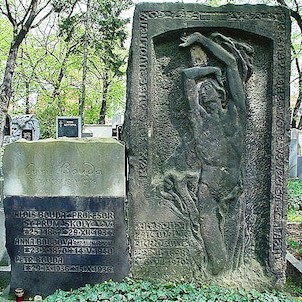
[{"x": 294, "y": 232}]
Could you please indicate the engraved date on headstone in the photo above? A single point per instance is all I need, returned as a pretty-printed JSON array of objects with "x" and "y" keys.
[{"x": 71, "y": 240}]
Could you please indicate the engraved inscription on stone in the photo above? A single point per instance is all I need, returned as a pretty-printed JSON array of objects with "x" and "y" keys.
[
  {"x": 64, "y": 231},
  {"x": 64, "y": 235},
  {"x": 65, "y": 167},
  {"x": 67, "y": 235},
  {"x": 161, "y": 243},
  {"x": 67, "y": 174}
]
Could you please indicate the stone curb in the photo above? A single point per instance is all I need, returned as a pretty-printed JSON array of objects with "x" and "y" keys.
[
  {"x": 294, "y": 267},
  {"x": 294, "y": 262}
]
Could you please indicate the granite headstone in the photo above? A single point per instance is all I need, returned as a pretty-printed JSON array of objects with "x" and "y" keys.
[
  {"x": 68, "y": 126},
  {"x": 206, "y": 132},
  {"x": 64, "y": 212},
  {"x": 65, "y": 242},
  {"x": 25, "y": 125}
]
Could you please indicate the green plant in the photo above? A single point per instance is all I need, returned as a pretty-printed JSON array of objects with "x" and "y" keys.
[
  {"x": 292, "y": 288},
  {"x": 293, "y": 244},
  {"x": 294, "y": 247},
  {"x": 138, "y": 291},
  {"x": 295, "y": 194},
  {"x": 294, "y": 215}
]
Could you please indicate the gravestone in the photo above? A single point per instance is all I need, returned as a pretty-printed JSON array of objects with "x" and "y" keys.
[
  {"x": 64, "y": 212},
  {"x": 293, "y": 153},
  {"x": 98, "y": 130},
  {"x": 206, "y": 130},
  {"x": 299, "y": 167},
  {"x": 7, "y": 127},
  {"x": 25, "y": 126},
  {"x": 68, "y": 126}
]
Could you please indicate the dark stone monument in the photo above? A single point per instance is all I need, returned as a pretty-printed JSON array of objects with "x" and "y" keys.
[
  {"x": 206, "y": 132},
  {"x": 64, "y": 213},
  {"x": 68, "y": 126},
  {"x": 64, "y": 242}
]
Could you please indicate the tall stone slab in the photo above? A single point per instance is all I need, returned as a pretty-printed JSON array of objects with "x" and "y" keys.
[
  {"x": 64, "y": 213},
  {"x": 206, "y": 131}
]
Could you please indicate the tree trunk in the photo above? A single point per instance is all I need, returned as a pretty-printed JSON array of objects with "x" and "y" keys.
[
  {"x": 6, "y": 87},
  {"x": 20, "y": 30},
  {"x": 56, "y": 91},
  {"x": 296, "y": 118},
  {"x": 85, "y": 59},
  {"x": 103, "y": 109},
  {"x": 295, "y": 123},
  {"x": 27, "y": 97}
]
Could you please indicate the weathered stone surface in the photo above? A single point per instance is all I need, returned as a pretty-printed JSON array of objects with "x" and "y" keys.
[
  {"x": 22, "y": 124},
  {"x": 65, "y": 167},
  {"x": 65, "y": 242},
  {"x": 206, "y": 131}
]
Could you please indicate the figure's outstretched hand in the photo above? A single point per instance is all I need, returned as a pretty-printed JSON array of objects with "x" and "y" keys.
[
  {"x": 217, "y": 35},
  {"x": 189, "y": 40}
]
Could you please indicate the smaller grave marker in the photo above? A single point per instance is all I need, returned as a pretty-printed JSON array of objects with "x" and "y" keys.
[{"x": 68, "y": 126}]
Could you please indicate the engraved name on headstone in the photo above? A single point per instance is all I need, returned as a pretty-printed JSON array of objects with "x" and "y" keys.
[
  {"x": 65, "y": 242},
  {"x": 65, "y": 167}
]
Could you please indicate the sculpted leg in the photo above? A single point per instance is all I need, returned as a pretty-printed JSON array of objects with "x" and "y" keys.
[{"x": 211, "y": 231}]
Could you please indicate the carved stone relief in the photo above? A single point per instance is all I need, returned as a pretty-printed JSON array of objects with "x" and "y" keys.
[{"x": 205, "y": 132}]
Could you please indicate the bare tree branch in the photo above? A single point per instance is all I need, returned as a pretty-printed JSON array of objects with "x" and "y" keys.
[
  {"x": 3, "y": 12},
  {"x": 41, "y": 20},
  {"x": 22, "y": 4},
  {"x": 27, "y": 11},
  {"x": 294, "y": 13},
  {"x": 9, "y": 14},
  {"x": 43, "y": 7}
]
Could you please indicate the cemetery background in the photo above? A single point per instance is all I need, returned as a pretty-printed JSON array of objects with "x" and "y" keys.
[{"x": 72, "y": 107}]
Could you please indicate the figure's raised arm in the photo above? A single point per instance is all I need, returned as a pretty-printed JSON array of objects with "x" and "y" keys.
[
  {"x": 218, "y": 51},
  {"x": 198, "y": 72},
  {"x": 228, "y": 59}
]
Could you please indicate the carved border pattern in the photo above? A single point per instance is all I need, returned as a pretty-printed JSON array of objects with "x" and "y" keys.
[
  {"x": 279, "y": 143},
  {"x": 202, "y": 16},
  {"x": 279, "y": 157},
  {"x": 143, "y": 96}
]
